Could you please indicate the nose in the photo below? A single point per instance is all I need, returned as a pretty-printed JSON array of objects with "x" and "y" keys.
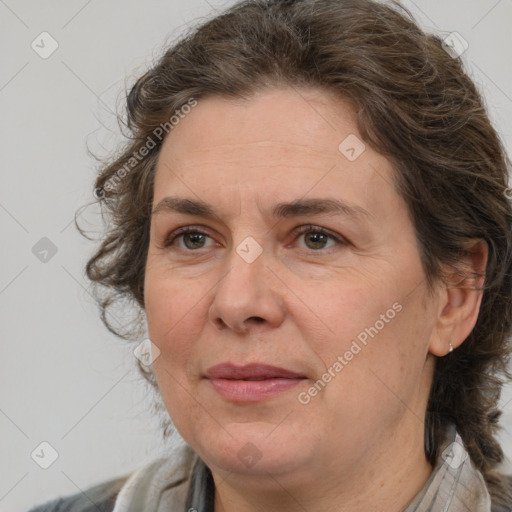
[{"x": 247, "y": 297}]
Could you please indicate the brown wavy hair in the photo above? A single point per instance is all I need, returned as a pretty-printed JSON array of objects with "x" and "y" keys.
[{"x": 416, "y": 106}]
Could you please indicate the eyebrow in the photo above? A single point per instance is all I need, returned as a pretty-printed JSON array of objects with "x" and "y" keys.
[{"x": 295, "y": 208}]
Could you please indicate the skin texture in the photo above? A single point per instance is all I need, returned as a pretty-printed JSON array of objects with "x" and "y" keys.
[{"x": 358, "y": 443}]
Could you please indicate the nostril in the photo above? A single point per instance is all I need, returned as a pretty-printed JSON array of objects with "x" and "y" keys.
[
  {"x": 256, "y": 319},
  {"x": 220, "y": 323}
]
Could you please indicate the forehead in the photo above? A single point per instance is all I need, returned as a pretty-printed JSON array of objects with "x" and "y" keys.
[
  {"x": 281, "y": 144},
  {"x": 283, "y": 121}
]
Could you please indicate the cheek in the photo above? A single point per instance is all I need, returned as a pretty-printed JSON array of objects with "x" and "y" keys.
[
  {"x": 376, "y": 382},
  {"x": 357, "y": 313},
  {"x": 173, "y": 325},
  {"x": 174, "y": 321},
  {"x": 381, "y": 339}
]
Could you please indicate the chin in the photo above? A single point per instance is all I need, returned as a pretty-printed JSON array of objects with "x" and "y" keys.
[{"x": 252, "y": 448}]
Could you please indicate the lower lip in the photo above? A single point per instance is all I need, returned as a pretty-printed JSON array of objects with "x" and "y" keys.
[{"x": 252, "y": 390}]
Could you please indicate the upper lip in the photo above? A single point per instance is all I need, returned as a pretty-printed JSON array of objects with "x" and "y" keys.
[{"x": 255, "y": 371}]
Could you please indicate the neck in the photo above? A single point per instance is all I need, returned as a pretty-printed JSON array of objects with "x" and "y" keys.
[{"x": 387, "y": 479}]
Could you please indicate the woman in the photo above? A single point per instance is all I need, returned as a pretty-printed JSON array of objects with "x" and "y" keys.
[{"x": 313, "y": 217}]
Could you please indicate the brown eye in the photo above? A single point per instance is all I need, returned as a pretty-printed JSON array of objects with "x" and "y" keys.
[
  {"x": 187, "y": 239},
  {"x": 194, "y": 240},
  {"x": 315, "y": 240}
]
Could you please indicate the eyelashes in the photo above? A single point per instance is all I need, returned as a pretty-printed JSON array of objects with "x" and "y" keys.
[
  {"x": 324, "y": 235},
  {"x": 191, "y": 236},
  {"x": 180, "y": 233}
]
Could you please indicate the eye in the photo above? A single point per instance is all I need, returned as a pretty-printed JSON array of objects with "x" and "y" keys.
[
  {"x": 317, "y": 238},
  {"x": 187, "y": 238},
  {"x": 190, "y": 238}
]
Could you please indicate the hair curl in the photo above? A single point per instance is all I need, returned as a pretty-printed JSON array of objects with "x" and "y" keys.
[{"x": 416, "y": 106}]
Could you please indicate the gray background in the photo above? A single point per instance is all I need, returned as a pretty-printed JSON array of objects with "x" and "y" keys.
[{"x": 64, "y": 379}]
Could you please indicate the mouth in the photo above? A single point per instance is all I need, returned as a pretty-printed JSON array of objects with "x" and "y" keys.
[{"x": 251, "y": 383}]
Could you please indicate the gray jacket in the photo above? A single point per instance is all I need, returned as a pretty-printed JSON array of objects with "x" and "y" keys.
[{"x": 99, "y": 498}]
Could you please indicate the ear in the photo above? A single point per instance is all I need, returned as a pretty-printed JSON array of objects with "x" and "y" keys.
[{"x": 460, "y": 299}]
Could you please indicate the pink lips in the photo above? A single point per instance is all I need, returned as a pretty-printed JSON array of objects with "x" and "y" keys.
[{"x": 251, "y": 383}]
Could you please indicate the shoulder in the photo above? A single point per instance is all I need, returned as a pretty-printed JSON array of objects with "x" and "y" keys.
[
  {"x": 501, "y": 495},
  {"x": 99, "y": 498},
  {"x": 169, "y": 472}
]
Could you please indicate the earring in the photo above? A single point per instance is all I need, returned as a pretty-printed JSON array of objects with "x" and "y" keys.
[{"x": 451, "y": 348}]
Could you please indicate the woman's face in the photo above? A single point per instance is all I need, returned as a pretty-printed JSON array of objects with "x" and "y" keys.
[{"x": 301, "y": 278}]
